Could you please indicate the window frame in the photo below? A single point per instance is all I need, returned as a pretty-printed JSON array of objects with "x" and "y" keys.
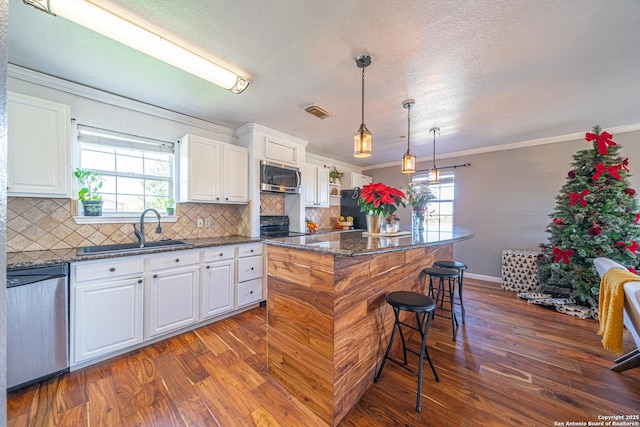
[
  {"x": 446, "y": 178},
  {"x": 98, "y": 137}
]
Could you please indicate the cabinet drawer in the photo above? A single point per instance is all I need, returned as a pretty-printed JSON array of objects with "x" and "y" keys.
[
  {"x": 173, "y": 259},
  {"x": 249, "y": 292},
  {"x": 219, "y": 253},
  {"x": 250, "y": 249},
  {"x": 107, "y": 269},
  {"x": 249, "y": 268}
]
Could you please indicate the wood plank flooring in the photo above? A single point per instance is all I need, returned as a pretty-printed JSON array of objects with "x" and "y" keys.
[{"x": 512, "y": 364}]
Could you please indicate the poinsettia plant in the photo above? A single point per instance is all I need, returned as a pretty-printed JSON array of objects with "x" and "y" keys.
[{"x": 379, "y": 199}]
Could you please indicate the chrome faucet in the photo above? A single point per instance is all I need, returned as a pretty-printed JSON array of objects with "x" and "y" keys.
[{"x": 140, "y": 233}]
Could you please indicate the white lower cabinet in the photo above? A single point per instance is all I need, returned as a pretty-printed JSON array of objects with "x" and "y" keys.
[
  {"x": 173, "y": 292},
  {"x": 107, "y": 307},
  {"x": 118, "y": 304},
  {"x": 217, "y": 282}
]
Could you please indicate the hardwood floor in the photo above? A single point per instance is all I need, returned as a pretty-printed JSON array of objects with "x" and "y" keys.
[{"x": 513, "y": 364}]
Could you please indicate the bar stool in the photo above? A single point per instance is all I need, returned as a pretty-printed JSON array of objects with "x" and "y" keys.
[
  {"x": 461, "y": 267},
  {"x": 441, "y": 274},
  {"x": 422, "y": 306}
]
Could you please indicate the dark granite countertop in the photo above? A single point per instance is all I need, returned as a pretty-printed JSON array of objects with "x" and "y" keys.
[
  {"x": 58, "y": 256},
  {"x": 353, "y": 243}
]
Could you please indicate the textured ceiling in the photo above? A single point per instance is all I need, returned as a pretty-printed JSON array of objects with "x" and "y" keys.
[{"x": 486, "y": 72}]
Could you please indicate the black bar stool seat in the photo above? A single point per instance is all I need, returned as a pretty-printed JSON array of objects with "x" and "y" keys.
[
  {"x": 422, "y": 306},
  {"x": 441, "y": 274},
  {"x": 460, "y": 267}
]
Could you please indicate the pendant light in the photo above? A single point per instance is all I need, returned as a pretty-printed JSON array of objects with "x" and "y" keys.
[
  {"x": 434, "y": 176},
  {"x": 409, "y": 159},
  {"x": 362, "y": 138}
]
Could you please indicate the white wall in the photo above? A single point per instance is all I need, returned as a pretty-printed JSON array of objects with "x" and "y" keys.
[{"x": 506, "y": 197}]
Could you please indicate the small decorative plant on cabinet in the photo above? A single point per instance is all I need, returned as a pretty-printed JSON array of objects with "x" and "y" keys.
[
  {"x": 89, "y": 192},
  {"x": 336, "y": 176}
]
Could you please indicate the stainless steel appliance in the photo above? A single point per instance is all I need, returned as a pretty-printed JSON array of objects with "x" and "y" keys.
[
  {"x": 280, "y": 178},
  {"x": 276, "y": 226},
  {"x": 37, "y": 324},
  {"x": 349, "y": 207}
]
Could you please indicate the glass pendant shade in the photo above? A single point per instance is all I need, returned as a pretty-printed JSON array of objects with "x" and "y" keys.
[
  {"x": 434, "y": 176},
  {"x": 409, "y": 162},
  {"x": 362, "y": 142}
]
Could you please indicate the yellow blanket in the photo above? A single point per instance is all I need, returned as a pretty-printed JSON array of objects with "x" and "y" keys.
[{"x": 611, "y": 306}]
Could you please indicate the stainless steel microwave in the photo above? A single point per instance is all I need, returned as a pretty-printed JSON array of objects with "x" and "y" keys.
[{"x": 279, "y": 178}]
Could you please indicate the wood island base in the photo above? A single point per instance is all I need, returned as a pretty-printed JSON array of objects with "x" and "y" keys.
[{"x": 328, "y": 324}]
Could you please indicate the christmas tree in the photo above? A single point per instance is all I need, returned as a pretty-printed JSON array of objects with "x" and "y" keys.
[{"x": 596, "y": 215}]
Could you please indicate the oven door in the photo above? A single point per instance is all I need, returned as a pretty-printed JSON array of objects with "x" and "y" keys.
[{"x": 279, "y": 178}]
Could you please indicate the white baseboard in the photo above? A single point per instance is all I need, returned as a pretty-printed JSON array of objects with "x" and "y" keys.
[{"x": 483, "y": 277}]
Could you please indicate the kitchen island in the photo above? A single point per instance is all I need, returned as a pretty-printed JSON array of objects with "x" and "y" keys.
[{"x": 327, "y": 320}]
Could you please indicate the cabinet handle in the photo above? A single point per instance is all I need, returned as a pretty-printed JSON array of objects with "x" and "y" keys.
[
  {"x": 251, "y": 250},
  {"x": 217, "y": 198},
  {"x": 112, "y": 269},
  {"x": 251, "y": 268},
  {"x": 208, "y": 266},
  {"x": 221, "y": 254},
  {"x": 251, "y": 292},
  {"x": 139, "y": 280},
  {"x": 155, "y": 276},
  {"x": 226, "y": 198},
  {"x": 177, "y": 259}
]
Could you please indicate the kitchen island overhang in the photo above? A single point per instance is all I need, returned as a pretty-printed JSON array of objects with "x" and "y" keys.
[{"x": 327, "y": 320}]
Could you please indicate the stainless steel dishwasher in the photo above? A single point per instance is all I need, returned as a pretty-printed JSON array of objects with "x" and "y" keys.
[{"x": 37, "y": 324}]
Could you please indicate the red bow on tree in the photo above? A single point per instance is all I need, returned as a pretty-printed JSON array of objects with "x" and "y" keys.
[
  {"x": 557, "y": 221},
  {"x": 633, "y": 270},
  {"x": 613, "y": 171},
  {"x": 633, "y": 247},
  {"x": 625, "y": 163},
  {"x": 637, "y": 219},
  {"x": 575, "y": 197},
  {"x": 562, "y": 255},
  {"x": 602, "y": 140}
]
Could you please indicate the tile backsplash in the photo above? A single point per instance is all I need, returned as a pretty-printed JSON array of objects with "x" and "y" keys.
[
  {"x": 42, "y": 223},
  {"x": 324, "y": 217},
  {"x": 271, "y": 204}
]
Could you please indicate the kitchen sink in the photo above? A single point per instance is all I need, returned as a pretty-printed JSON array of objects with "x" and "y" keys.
[{"x": 129, "y": 247}]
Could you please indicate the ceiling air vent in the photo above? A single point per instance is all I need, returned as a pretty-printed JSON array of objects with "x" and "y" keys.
[{"x": 318, "y": 111}]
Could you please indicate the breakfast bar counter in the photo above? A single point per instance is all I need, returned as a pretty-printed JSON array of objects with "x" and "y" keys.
[{"x": 327, "y": 320}]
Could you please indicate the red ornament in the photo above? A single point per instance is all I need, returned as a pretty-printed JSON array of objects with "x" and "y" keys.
[
  {"x": 578, "y": 197},
  {"x": 557, "y": 221},
  {"x": 562, "y": 255},
  {"x": 595, "y": 231},
  {"x": 571, "y": 174},
  {"x": 633, "y": 247},
  {"x": 629, "y": 192},
  {"x": 602, "y": 140},
  {"x": 637, "y": 219},
  {"x": 633, "y": 270}
]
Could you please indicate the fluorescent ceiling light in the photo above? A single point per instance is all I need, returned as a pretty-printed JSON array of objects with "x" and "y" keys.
[{"x": 99, "y": 20}]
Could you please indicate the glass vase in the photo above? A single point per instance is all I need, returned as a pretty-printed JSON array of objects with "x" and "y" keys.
[{"x": 418, "y": 219}]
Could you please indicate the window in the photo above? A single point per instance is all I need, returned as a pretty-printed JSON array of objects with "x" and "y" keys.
[
  {"x": 440, "y": 209},
  {"x": 138, "y": 171}
]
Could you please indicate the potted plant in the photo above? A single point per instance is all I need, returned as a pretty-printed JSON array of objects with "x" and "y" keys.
[
  {"x": 378, "y": 201},
  {"x": 89, "y": 192},
  {"x": 335, "y": 175},
  {"x": 170, "y": 206}
]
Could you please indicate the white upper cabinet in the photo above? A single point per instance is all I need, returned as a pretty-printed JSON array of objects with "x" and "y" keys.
[
  {"x": 316, "y": 186},
  {"x": 212, "y": 171},
  {"x": 235, "y": 174},
  {"x": 38, "y": 150},
  {"x": 359, "y": 180}
]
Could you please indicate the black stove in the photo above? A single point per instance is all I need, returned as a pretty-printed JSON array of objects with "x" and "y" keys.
[{"x": 276, "y": 226}]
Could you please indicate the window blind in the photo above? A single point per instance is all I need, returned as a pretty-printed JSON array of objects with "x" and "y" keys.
[{"x": 104, "y": 137}]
